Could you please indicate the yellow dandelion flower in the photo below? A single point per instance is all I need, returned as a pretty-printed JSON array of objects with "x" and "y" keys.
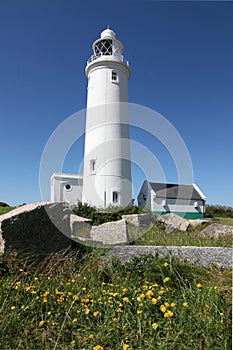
[
  {"x": 154, "y": 301},
  {"x": 35, "y": 278},
  {"x": 45, "y": 300},
  {"x": 96, "y": 313},
  {"x": 73, "y": 280},
  {"x": 74, "y": 320},
  {"x": 149, "y": 293},
  {"x": 85, "y": 300},
  {"x": 173, "y": 304},
  {"x": 91, "y": 336},
  {"x": 139, "y": 312},
  {"x": 72, "y": 343},
  {"x": 87, "y": 311},
  {"x": 126, "y": 299},
  {"x": 165, "y": 264},
  {"x": 98, "y": 347},
  {"x": 119, "y": 309},
  {"x": 49, "y": 313},
  {"x": 215, "y": 287},
  {"x": 58, "y": 292},
  {"x": 41, "y": 323},
  {"x": 161, "y": 292},
  {"x": 207, "y": 306},
  {"x": 124, "y": 290},
  {"x": 155, "y": 285},
  {"x": 144, "y": 287},
  {"x": 166, "y": 279},
  {"x": 49, "y": 278},
  {"x": 126, "y": 347},
  {"x": 22, "y": 307},
  {"x": 185, "y": 304},
  {"x": 154, "y": 325},
  {"x": 166, "y": 304},
  {"x": 115, "y": 319},
  {"x": 13, "y": 307},
  {"x": 84, "y": 288},
  {"x": 168, "y": 313},
  {"x": 199, "y": 285},
  {"x": 119, "y": 303},
  {"x": 163, "y": 308}
]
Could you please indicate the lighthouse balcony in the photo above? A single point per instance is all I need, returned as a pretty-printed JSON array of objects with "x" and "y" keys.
[{"x": 114, "y": 57}]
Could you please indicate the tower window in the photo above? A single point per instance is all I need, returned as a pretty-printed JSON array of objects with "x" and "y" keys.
[
  {"x": 115, "y": 197},
  {"x": 114, "y": 76},
  {"x": 68, "y": 187},
  {"x": 93, "y": 165}
]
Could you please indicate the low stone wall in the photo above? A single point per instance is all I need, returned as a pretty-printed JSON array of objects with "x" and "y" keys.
[{"x": 202, "y": 256}]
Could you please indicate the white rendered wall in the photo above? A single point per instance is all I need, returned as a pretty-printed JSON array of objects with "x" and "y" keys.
[
  {"x": 177, "y": 205},
  {"x": 107, "y": 139},
  {"x": 66, "y": 188}
]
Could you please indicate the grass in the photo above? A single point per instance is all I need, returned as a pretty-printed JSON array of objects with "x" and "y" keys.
[
  {"x": 158, "y": 236},
  {"x": 4, "y": 210},
  {"x": 68, "y": 302},
  {"x": 226, "y": 221}
]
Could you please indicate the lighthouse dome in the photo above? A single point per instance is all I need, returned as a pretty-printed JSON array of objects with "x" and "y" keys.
[{"x": 108, "y": 33}]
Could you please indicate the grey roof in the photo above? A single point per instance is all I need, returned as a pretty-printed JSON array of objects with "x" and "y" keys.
[{"x": 163, "y": 190}]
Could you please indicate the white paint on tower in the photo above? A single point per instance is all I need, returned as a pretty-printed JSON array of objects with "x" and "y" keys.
[{"x": 107, "y": 166}]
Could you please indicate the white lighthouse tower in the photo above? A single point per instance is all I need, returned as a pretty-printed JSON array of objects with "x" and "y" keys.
[{"x": 107, "y": 166}]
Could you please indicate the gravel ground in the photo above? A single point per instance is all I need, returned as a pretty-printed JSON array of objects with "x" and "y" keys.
[{"x": 202, "y": 256}]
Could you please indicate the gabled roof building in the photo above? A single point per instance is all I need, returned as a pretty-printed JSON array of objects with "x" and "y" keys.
[{"x": 187, "y": 201}]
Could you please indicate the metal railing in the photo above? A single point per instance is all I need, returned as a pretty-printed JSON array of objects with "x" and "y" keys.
[{"x": 118, "y": 58}]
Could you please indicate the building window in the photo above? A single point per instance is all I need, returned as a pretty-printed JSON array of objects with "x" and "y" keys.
[
  {"x": 68, "y": 187},
  {"x": 115, "y": 197},
  {"x": 114, "y": 76},
  {"x": 93, "y": 165}
]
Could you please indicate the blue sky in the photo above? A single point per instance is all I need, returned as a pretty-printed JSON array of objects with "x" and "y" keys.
[{"x": 180, "y": 54}]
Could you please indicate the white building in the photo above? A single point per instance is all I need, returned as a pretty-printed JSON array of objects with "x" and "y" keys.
[
  {"x": 107, "y": 166},
  {"x": 66, "y": 188},
  {"x": 184, "y": 200}
]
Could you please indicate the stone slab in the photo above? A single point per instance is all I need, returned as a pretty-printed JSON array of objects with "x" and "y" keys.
[
  {"x": 173, "y": 222},
  {"x": 202, "y": 256},
  {"x": 110, "y": 233},
  {"x": 216, "y": 231}
]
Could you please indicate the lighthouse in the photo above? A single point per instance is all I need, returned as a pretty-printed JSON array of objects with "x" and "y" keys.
[{"x": 107, "y": 166}]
